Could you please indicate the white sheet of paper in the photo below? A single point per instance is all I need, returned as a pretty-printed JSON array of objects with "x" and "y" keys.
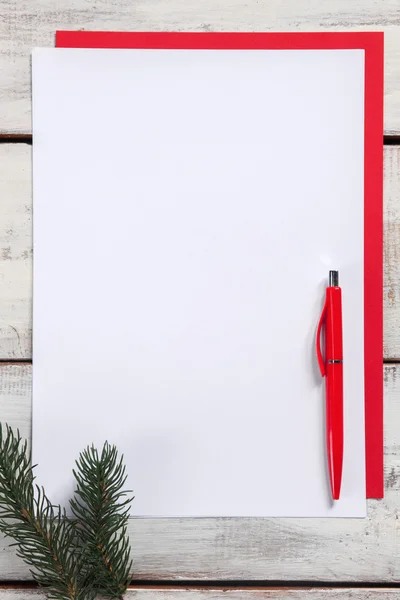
[{"x": 188, "y": 206}]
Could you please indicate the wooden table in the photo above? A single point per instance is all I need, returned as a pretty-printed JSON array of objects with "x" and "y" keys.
[{"x": 238, "y": 558}]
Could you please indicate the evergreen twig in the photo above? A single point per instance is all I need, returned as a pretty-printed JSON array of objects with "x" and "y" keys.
[
  {"x": 45, "y": 539},
  {"x": 101, "y": 509}
]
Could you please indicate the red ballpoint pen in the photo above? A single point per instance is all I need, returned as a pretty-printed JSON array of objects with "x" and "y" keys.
[{"x": 331, "y": 367}]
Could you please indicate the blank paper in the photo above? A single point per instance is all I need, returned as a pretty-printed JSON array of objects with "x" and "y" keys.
[{"x": 188, "y": 206}]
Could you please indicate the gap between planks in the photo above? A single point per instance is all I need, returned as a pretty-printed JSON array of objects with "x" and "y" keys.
[
  {"x": 250, "y": 585},
  {"x": 16, "y": 138},
  {"x": 28, "y": 361},
  {"x": 26, "y": 138}
]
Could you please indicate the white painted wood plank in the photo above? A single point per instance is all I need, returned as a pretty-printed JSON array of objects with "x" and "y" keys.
[
  {"x": 31, "y": 23},
  {"x": 392, "y": 252},
  {"x": 16, "y": 251},
  {"x": 243, "y": 549},
  {"x": 231, "y": 594}
]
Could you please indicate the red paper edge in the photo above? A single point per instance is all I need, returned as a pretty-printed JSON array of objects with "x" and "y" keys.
[
  {"x": 373, "y": 265},
  {"x": 372, "y": 44}
]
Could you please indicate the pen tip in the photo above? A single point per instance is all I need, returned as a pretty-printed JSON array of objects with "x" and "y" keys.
[{"x": 336, "y": 490}]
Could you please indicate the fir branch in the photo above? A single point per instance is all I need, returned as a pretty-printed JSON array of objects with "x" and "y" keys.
[
  {"x": 101, "y": 509},
  {"x": 45, "y": 539}
]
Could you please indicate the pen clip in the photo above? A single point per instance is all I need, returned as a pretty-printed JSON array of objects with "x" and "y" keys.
[{"x": 321, "y": 361}]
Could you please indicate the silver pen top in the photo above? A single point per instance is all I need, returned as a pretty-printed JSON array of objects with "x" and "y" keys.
[{"x": 333, "y": 278}]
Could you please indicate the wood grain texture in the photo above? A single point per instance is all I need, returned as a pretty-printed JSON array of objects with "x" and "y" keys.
[
  {"x": 334, "y": 550},
  {"x": 16, "y": 251},
  {"x": 231, "y": 594},
  {"x": 392, "y": 252},
  {"x": 30, "y": 23}
]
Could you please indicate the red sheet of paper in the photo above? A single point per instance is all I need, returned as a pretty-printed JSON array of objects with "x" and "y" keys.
[{"x": 372, "y": 44}]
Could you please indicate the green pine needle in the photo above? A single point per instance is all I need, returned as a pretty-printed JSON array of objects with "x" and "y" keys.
[
  {"x": 45, "y": 539},
  {"x": 74, "y": 559},
  {"x": 101, "y": 509}
]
